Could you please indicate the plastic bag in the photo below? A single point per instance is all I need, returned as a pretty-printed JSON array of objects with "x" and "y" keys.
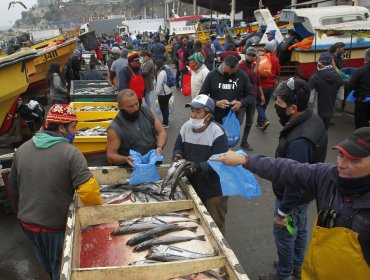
[
  {"x": 171, "y": 106},
  {"x": 236, "y": 180},
  {"x": 265, "y": 66},
  {"x": 145, "y": 170},
  {"x": 232, "y": 129},
  {"x": 351, "y": 97}
]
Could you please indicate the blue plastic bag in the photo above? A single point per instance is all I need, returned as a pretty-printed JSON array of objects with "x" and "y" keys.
[
  {"x": 236, "y": 180},
  {"x": 145, "y": 170},
  {"x": 232, "y": 129},
  {"x": 351, "y": 98}
]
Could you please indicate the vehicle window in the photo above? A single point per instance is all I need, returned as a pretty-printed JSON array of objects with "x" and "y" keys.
[{"x": 341, "y": 19}]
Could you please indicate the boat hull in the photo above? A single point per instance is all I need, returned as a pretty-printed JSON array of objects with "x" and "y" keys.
[
  {"x": 306, "y": 60},
  {"x": 60, "y": 53}
]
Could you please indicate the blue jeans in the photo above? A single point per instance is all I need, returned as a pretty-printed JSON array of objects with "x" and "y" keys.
[
  {"x": 48, "y": 247},
  {"x": 148, "y": 99},
  {"x": 291, "y": 248},
  {"x": 261, "y": 109}
]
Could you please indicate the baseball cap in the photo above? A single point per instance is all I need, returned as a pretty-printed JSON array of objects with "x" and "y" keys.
[
  {"x": 252, "y": 51},
  {"x": 326, "y": 58},
  {"x": 272, "y": 32},
  {"x": 198, "y": 57},
  {"x": 201, "y": 101},
  {"x": 115, "y": 50},
  {"x": 357, "y": 145}
]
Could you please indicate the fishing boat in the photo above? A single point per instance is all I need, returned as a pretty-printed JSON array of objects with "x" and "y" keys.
[
  {"x": 14, "y": 79},
  {"x": 60, "y": 53},
  {"x": 314, "y": 21}
]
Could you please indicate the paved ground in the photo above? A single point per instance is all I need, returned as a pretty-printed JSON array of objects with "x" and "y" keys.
[{"x": 249, "y": 222}]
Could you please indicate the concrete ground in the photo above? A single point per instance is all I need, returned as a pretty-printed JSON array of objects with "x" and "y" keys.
[{"x": 248, "y": 222}]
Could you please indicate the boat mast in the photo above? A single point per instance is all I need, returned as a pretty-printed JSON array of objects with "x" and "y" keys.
[{"x": 232, "y": 14}]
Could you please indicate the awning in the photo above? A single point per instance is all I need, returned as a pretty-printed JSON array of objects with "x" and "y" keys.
[{"x": 357, "y": 28}]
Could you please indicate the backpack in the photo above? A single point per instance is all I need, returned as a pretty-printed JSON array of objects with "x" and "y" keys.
[{"x": 171, "y": 80}]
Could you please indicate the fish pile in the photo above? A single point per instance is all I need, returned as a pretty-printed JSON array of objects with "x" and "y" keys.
[
  {"x": 150, "y": 236},
  {"x": 95, "y": 131},
  {"x": 97, "y": 108},
  {"x": 93, "y": 91},
  {"x": 177, "y": 170},
  {"x": 98, "y": 83},
  {"x": 148, "y": 192}
]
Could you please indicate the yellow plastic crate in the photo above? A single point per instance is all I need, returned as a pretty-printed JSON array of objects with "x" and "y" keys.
[
  {"x": 94, "y": 115},
  {"x": 91, "y": 144}
]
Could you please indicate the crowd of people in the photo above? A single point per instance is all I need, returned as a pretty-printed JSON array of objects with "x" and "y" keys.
[{"x": 340, "y": 245}]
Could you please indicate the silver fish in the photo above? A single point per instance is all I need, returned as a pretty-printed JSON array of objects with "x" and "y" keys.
[
  {"x": 177, "y": 175},
  {"x": 166, "y": 240},
  {"x": 142, "y": 220},
  {"x": 168, "y": 219},
  {"x": 165, "y": 253},
  {"x": 167, "y": 180},
  {"x": 133, "y": 228},
  {"x": 142, "y": 262},
  {"x": 95, "y": 131},
  {"x": 141, "y": 237},
  {"x": 119, "y": 197}
]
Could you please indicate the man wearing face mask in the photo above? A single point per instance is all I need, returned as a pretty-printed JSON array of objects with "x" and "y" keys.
[
  {"x": 199, "y": 72},
  {"x": 229, "y": 87},
  {"x": 135, "y": 127},
  {"x": 46, "y": 173},
  {"x": 199, "y": 138},
  {"x": 130, "y": 76},
  {"x": 303, "y": 139}
]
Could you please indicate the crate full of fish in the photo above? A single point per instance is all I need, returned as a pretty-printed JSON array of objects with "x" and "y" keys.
[
  {"x": 91, "y": 137},
  {"x": 95, "y": 111},
  {"x": 146, "y": 240},
  {"x": 92, "y": 91}
]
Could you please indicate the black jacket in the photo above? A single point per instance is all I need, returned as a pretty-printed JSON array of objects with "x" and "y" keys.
[
  {"x": 311, "y": 128},
  {"x": 327, "y": 83},
  {"x": 238, "y": 87},
  {"x": 360, "y": 82}
]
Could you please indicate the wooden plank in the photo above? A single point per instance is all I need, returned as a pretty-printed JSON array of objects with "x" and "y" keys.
[
  {"x": 151, "y": 271},
  {"x": 94, "y": 215},
  {"x": 7, "y": 157}
]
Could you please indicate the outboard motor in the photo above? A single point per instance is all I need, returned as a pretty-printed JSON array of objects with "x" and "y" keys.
[
  {"x": 34, "y": 115},
  {"x": 283, "y": 53}
]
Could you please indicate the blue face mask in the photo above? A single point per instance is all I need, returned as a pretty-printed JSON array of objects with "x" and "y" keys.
[{"x": 70, "y": 137}]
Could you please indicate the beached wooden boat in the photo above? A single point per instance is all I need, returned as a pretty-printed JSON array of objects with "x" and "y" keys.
[
  {"x": 76, "y": 263},
  {"x": 14, "y": 78},
  {"x": 60, "y": 53}
]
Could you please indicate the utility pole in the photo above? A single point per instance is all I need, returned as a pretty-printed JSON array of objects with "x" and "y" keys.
[
  {"x": 194, "y": 7},
  {"x": 232, "y": 14},
  {"x": 152, "y": 10}
]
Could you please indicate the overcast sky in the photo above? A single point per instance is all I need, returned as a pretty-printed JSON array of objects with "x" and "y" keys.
[{"x": 8, "y": 17}]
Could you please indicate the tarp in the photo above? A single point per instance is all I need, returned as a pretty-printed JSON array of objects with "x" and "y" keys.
[{"x": 357, "y": 28}]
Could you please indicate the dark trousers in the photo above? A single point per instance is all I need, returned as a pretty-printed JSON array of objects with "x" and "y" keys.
[
  {"x": 249, "y": 112},
  {"x": 217, "y": 208},
  {"x": 163, "y": 101},
  {"x": 48, "y": 247},
  {"x": 362, "y": 114},
  {"x": 326, "y": 121},
  {"x": 178, "y": 74}
]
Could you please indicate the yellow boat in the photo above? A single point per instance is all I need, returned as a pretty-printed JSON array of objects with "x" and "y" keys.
[
  {"x": 60, "y": 53},
  {"x": 46, "y": 42},
  {"x": 13, "y": 79}
]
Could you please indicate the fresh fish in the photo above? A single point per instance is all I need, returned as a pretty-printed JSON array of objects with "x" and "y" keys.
[
  {"x": 120, "y": 197},
  {"x": 96, "y": 108},
  {"x": 165, "y": 253},
  {"x": 142, "y": 262},
  {"x": 141, "y": 196},
  {"x": 133, "y": 228},
  {"x": 141, "y": 237},
  {"x": 144, "y": 219},
  {"x": 167, "y": 180},
  {"x": 166, "y": 240},
  {"x": 95, "y": 131},
  {"x": 177, "y": 175},
  {"x": 167, "y": 219}
]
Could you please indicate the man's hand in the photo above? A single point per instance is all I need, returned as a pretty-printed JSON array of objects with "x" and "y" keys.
[
  {"x": 129, "y": 160},
  {"x": 262, "y": 98},
  {"x": 159, "y": 150},
  {"x": 280, "y": 222},
  {"x": 223, "y": 104},
  {"x": 236, "y": 106},
  {"x": 231, "y": 158},
  {"x": 194, "y": 168}
]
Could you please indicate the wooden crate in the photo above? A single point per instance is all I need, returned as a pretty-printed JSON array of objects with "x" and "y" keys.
[{"x": 98, "y": 215}]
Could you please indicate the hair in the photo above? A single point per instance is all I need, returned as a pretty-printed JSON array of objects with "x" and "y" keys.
[
  {"x": 125, "y": 92},
  {"x": 130, "y": 47},
  {"x": 54, "y": 68},
  {"x": 231, "y": 61},
  {"x": 159, "y": 63},
  {"x": 197, "y": 46},
  {"x": 300, "y": 96},
  {"x": 92, "y": 65},
  {"x": 55, "y": 126},
  {"x": 146, "y": 53},
  {"x": 336, "y": 46}
]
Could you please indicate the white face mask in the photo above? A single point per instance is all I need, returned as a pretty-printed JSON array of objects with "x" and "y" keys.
[{"x": 197, "y": 123}]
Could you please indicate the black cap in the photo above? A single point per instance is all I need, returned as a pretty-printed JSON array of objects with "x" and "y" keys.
[{"x": 357, "y": 145}]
